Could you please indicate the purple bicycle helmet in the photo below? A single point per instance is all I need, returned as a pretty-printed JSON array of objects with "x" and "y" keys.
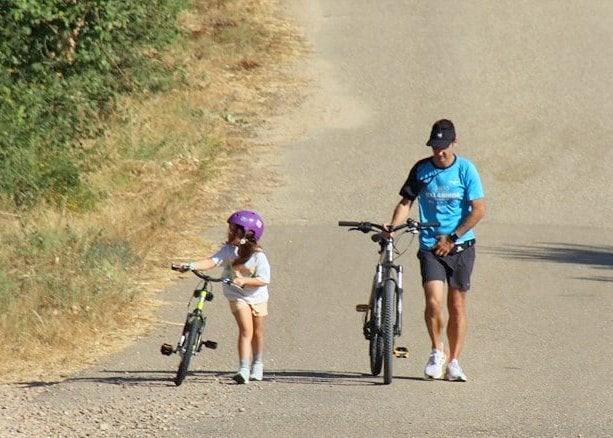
[{"x": 249, "y": 220}]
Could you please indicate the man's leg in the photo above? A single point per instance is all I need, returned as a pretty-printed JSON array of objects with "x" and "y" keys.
[
  {"x": 456, "y": 327},
  {"x": 435, "y": 322},
  {"x": 433, "y": 314}
]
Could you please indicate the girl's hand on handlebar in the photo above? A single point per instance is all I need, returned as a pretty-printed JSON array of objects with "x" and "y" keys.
[
  {"x": 181, "y": 267},
  {"x": 184, "y": 267}
]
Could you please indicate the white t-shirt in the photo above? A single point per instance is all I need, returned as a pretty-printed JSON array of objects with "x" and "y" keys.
[{"x": 256, "y": 267}]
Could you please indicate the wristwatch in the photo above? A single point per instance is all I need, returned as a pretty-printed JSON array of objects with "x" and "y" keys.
[{"x": 453, "y": 237}]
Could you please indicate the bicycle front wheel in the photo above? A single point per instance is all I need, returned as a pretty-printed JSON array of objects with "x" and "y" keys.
[
  {"x": 375, "y": 339},
  {"x": 191, "y": 344},
  {"x": 387, "y": 329}
]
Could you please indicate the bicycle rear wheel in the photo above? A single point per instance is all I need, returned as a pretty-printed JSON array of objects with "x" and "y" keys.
[
  {"x": 387, "y": 330},
  {"x": 376, "y": 340},
  {"x": 191, "y": 344}
]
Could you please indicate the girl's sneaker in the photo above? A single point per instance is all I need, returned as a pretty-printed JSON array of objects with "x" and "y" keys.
[
  {"x": 257, "y": 371},
  {"x": 242, "y": 376}
]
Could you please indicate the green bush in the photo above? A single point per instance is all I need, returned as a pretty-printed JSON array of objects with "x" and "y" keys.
[{"x": 62, "y": 66}]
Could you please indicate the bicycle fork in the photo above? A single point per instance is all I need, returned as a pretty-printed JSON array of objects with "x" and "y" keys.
[
  {"x": 199, "y": 344},
  {"x": 399, "y": 291},
  {"x": 167, "y": 349},
  {"x": 398, "y": 296},
  {"x": 401, "y": 352}
]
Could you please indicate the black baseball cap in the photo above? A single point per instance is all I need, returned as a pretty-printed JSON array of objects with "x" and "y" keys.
[{"x": 443, "y": 133}]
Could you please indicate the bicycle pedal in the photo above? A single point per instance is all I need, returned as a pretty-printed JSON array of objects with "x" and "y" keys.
[
  {"x": 166, "y": 349},
  {"x": 401, "y": 352},
  {"x": 210, "y": 344},
  {"x": 361, "y": 308}
]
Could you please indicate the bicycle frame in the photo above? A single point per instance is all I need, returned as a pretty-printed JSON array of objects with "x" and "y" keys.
[{"x": 202, "y": 294}]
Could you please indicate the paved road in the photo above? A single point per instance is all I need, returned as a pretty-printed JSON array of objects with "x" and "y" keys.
[{"x": 528, "y": 85}]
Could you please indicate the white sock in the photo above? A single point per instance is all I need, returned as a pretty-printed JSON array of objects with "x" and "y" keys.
[{"x": 243, "y": 364}]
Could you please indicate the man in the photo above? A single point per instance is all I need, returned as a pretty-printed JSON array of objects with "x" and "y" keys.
[{"x": 449, "y": 191}]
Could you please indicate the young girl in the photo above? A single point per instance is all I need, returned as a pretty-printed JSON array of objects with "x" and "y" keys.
[{"x": 246, "y": 264}]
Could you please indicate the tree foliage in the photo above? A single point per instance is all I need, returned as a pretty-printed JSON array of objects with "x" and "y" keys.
[{"x": 62, "y": 65}]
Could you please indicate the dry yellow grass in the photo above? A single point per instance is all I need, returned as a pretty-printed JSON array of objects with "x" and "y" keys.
[{"x": 236, "y": 64}]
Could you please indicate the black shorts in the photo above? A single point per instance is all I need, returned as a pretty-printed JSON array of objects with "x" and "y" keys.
[{"x": 454, "y": 269}]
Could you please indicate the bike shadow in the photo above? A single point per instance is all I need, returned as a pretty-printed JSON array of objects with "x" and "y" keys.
[
  {"x": 165, "y": 378},
  {"x": 334, "y": 378},
  {"x": 131, "y": 378},
  {"x": 318, "y": 377}
]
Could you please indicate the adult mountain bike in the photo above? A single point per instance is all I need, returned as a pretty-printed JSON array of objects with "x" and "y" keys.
[
  {"x": 383, "y": 313},
  {"x": 191, "y": 343}
]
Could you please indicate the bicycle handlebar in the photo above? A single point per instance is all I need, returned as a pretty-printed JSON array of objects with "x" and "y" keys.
[
  {"x": 200, "y": 274},
  {"x": 367, "y": 227}
]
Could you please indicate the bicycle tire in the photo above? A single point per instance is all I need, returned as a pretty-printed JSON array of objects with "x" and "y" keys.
[
  {"x": 191, "y": 344},
  {"x": 387, "y": 330},
  {"x": 375, "y": 340}
]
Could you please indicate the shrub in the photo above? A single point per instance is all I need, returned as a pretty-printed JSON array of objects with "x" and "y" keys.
[{"x": 62, "y": 65}]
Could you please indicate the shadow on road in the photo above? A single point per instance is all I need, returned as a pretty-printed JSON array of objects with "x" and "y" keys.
[
  {"x": 133, "y": 377},
  {"x": 310, "y": 377},
  {"x": 595, "y": 257},
  {"x": 166, "y": 378},
  {"x": 332, "y": 378}
]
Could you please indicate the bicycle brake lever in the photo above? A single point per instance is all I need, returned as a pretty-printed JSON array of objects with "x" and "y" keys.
[
  {"x": 376, "y": 237},
  {"x": 364, "y": 228}
]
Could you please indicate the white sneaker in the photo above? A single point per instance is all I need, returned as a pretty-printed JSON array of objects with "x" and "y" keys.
[
  {"x": 257, "y": 371},
  {"x": 242, "y": 376},
  {"x": 434, "y": 366},
  {"x": 454, "y": 372}
]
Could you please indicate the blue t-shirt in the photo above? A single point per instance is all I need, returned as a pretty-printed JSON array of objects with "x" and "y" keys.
[{"x": 444, "y": 196}]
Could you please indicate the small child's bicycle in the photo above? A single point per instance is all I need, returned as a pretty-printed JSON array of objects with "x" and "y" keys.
[
  {"x": 383, "y": 313},
  {"x": 190, "y": 343}
]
